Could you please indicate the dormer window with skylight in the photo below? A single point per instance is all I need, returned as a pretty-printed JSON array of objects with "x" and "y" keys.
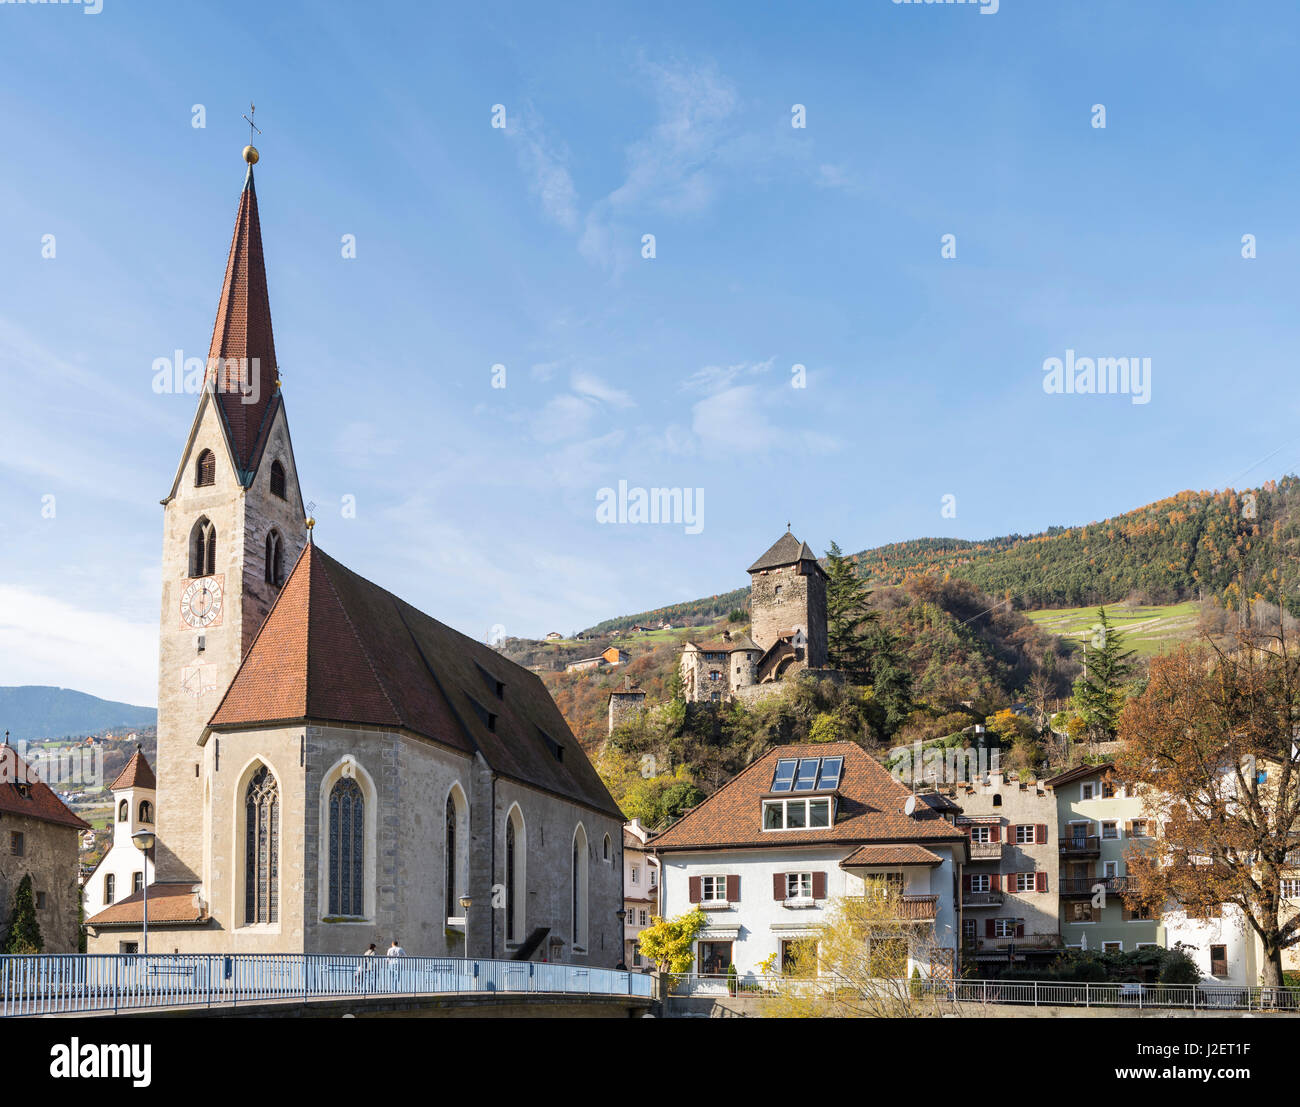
[{"x": 803, "y": 774}]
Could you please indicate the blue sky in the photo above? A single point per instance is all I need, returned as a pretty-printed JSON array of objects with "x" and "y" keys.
[{"x": 775, "y": 246}]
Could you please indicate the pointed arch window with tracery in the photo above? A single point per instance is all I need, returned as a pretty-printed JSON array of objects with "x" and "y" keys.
[
  {"x": 347, "y": 849},
  {"x": 262, "y": 849}
]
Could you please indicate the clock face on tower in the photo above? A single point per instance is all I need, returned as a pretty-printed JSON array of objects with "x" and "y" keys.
[{"x": 201, "y": 602}]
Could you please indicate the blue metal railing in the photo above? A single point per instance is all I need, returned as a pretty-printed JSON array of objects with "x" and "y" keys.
[{"x": 46, "y": 984}]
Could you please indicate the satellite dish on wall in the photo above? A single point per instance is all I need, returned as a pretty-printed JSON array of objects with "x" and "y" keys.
[{"x": 910, "y": 805}]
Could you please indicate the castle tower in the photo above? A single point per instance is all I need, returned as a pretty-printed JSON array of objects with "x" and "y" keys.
[
  {"x": 233, "y": 526},
  {"x": 788, "y": 599}
]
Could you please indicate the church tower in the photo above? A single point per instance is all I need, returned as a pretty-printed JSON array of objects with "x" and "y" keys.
[
  {"x": 788, "y": 600},
  {"x": 233, "y": 526}
]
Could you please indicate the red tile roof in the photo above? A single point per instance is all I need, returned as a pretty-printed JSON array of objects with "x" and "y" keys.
[
  {"x": 168, "y": 903},
  {"x": 870, "y": 808},
  {"x": 903, "y": 853},
  {"x": 337, "y": 648},
  {"x": 20, "y": 795},
  {"x": 243, "y": 331},
  {"x": 137, "y": 774}
]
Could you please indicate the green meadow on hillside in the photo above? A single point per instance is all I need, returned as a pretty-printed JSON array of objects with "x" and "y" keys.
[{"x": 1149, "y": 629}]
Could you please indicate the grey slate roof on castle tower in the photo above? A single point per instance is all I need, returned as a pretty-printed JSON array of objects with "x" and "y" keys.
[{"x": 786, "y": 550}]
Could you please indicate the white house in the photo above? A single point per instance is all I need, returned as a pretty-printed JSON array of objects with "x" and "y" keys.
[
  {"x": 640, "y": 891},
  {"x": 124, "y": 869},
  {"x": 767, "y": 853}
]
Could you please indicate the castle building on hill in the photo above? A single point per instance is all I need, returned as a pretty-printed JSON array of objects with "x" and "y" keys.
[
  {"x": 334, "y": 766},
  {"x": 787, "y": 631}
]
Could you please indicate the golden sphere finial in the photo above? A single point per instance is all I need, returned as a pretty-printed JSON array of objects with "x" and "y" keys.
[
  {"x": 251, "y": 155},
  {"x": 310, "y": 522}
]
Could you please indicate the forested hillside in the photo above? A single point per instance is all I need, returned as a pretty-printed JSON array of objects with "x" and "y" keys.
[
  {"x": 1195, "y": 545},
  {"x": 959, "y": 645}
]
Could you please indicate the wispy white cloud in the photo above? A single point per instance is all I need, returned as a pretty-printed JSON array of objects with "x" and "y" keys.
[
  {"x": 543, "y": 165},
  {"x": 714, "y": 378},
  {"x": 51, "y": 641}
]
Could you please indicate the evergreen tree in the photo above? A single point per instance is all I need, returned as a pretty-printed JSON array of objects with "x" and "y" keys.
[
  {"x": 23, "y": 934},
  {"x": 860, "y": 646},
  {"x": 848, "y": 617},
  {"x": 1100, "y": 695}
]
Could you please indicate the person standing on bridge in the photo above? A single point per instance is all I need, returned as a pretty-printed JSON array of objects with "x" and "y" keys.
[
  {"x": 366, "y": 968},
  {"x": 394, "y": 951}
]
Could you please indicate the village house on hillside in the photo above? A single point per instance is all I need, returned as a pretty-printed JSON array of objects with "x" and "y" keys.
[{"x": 605, "y": 659}]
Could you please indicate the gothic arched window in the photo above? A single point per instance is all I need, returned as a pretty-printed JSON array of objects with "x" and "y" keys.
[
  {"x": 450, "y": 904},
  {"x": 347, "y": 849},
  {"x": 277, "y": 480},
  {"x": 123, "y": 811},
  {"x": 274, "y": 559},
  {"x": 146, "y": 811},
  {"x": 262, "y": 849},
  {"x": 516, "y": 876},
  {"x": 203, "y": 548},
  {"x": 579, "y": 888},
  {"x": 205, "y": 470}
]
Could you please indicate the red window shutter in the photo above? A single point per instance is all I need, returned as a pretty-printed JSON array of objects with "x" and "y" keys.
[
  {"x": 995, "y": 883},
  {"x": 819, "y": 885},
  {"x": 995, "y": 832},
  {"x": 1020, "y": 928},
  {"x": 1041, "y": 880},
  {"x": 1011, "y": 834},
  {"x": 988, "y": 928},
  {"x": 695, "y": 894},
  {"x": 733, "y": 889},
  {"x": 965, "y": 883},
  {"x": 1040, "y": 834},
  {"x": 778, "y": 885}
]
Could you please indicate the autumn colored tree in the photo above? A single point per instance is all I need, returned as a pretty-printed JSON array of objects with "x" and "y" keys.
[
  {"x": 669, "y": 943},
  {"x": 1210, "y": 746},
  {"x": 857, "y": 963}
]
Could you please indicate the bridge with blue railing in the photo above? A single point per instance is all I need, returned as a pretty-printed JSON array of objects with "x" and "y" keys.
[{"x": 47, "y": 984}]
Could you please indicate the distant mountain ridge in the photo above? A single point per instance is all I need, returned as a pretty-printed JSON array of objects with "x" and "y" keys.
[
  {"x": 33, "y": 711},
  {"x": 1226, "y": 545}
]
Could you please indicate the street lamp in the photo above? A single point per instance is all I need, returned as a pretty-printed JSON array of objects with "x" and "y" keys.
[{"x": 144, "y": 840}]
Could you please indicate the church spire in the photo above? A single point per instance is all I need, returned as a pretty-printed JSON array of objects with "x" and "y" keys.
[{"x": 241, "y": 358}]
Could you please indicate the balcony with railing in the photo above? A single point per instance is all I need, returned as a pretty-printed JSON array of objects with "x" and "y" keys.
[
  {"x": 986, "y": 851},
  {"x": 1086, "y": 886},
  {"x": 1081, "y": 845},
  {"x": 981, "y": 899}
]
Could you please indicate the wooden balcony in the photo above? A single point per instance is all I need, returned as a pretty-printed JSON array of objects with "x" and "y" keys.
[
  {"x": 986, "y": 851},
  {"x": 1080, "y": 846},
  {"x": 918, "y": 908}
]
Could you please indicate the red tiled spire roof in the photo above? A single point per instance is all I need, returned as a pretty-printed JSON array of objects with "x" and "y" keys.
[
  {"x": 137, "y": 774},
  {"x": 243, "y": 332},
  {"x": 337, "y": 648}
]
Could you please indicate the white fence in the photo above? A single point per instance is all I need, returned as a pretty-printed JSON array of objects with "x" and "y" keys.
[
  {"x": 1028, "y": 993},
  {"x": 43, "y": 984}
]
